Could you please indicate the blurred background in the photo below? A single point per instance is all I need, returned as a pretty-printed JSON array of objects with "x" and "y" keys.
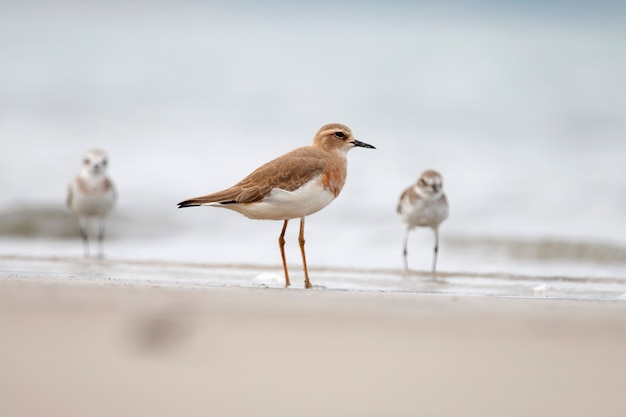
[{"x": 521, "y": 105}]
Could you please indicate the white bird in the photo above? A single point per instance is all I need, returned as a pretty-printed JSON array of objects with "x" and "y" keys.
[
  {"x": 92, "y": 196},
  {"x": 424, "y": 204}
]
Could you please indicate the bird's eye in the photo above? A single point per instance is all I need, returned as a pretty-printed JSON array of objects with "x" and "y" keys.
[
  {"x": 86, "y": 161},
  {"x": 421, "y": 182},
  {"x": 340, "y": 135}
]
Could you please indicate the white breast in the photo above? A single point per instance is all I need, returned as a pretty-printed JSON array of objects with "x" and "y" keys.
[
  {"x": 425, "y": 213},
  {"x": 91, "y": 203}
]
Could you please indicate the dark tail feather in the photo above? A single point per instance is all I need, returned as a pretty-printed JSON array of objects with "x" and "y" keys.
[
  {"x": 222, "y": 197},
  {"x": 195, "y": 202},
  {"x": 189, "y": 203}
]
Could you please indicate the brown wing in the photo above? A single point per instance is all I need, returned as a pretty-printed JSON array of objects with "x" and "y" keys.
[
  {"x": 70, "y": 196},
  {"x": 409, "y": 194},
  {"x": 287, "y": 172}
]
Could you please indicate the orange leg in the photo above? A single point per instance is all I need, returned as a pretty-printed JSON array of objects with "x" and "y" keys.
[
  {"x": 307, "y": 283},
  {"x": 281, "y": 244}
]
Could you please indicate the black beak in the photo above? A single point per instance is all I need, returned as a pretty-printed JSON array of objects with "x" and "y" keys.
[{"x": 362, "y": 144}]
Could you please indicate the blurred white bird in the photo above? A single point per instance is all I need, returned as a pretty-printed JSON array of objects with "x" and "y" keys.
[
  {"x": 92, "y": 196},
  {"x": 424, "y": 204}
]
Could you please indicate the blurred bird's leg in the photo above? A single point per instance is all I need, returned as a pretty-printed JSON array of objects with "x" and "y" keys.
[
  {"x": 404, "y": 248},
  {"x": 84, "y": 233},
  {"x": 436, "y": 250},
  {"x": 101, "y": 237}
]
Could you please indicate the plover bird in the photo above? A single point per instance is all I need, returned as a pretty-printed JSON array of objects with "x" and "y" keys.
[
  {"x": 424, "y": 204},
  {"x": 294, "y": 185},
  {"x": 91, "y": 196}
]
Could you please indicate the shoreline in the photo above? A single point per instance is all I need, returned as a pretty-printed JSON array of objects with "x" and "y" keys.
[
  {"x": 185, "y": 274},
  {"x": 101, "y": 350}
]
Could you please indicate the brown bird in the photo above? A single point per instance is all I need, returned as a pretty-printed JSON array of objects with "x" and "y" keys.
[{"x": 294, "y": 185}]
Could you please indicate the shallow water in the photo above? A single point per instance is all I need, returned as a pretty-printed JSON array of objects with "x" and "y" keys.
[
  {"x": 522, "y": 110},
  {"x": 202, "y": 275}
]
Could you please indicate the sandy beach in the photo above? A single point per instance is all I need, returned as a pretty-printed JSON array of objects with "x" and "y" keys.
[
  {"x": 521, "y": 106},
  {"x": 72, "y": 346}
]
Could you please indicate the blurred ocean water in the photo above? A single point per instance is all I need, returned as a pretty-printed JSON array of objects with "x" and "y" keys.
[{"x": 521, "y": 107}]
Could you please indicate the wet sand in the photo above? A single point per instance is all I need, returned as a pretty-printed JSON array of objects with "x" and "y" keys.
[{"x": 75, "y": 346}]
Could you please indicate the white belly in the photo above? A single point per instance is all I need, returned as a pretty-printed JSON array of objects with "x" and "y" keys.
[
  {"x": 424, "y": 213},
  {"x": 284, "y": 205},
  {"x": 92, "y": 204}
]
